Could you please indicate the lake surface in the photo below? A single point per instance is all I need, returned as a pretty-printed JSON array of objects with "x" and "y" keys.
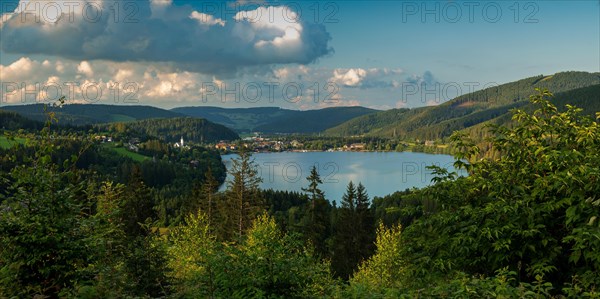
[{"x": 381, "y": 173}]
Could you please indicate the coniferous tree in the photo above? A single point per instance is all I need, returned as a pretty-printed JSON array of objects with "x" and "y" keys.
[
  {"x": 43, "y": 221},
  {"x": 145, "y": 262},
  {"x": 242, "y": 201},
  {"x": 138, "y": 206},
  {"x": 317, "y": 220},
  {"x": 204, "y": 198},
  {"x": 314, "y": 180},
  {"x": 41, "y": 231},
  {"x": 344, "y": 259},
  {"x": 365, "y": 217},
  {"x": 354, "y": 231}
]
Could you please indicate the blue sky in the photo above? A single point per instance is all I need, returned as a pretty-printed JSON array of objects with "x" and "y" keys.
[{"x": 299, "y": 55}]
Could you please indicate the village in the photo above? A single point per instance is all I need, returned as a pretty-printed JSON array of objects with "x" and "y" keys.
[{"x": 260, "y": 143}]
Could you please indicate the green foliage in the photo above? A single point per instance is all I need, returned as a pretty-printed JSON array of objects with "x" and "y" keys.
[
  {"x": 12, "y": 121},
  {"x": 192, "y": 255},
  {"x": 316, "y": 223},
  {"x": 267, "y": 263},
  {"x": 274, "y": 265},
  {"x": 353, "y": 232},
  {"x": 204, "y": 198},
  {"x": 532, "y": 211},
  {"x": 242, "y": 201},
  {"x": 381, "y": 270},
  {"x": 41, "y": 231},
  {"x": 170, "y": 130},
  {"x": 524, "y": 223}
]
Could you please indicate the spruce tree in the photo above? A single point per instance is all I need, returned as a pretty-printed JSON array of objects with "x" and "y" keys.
[
  {"x": 204, "y": 197},
  {"x": 365, "y": 217},
  {"x": 354, "y": 231},
  {"x": 344, "y": 258},
  {"x": 242, "y": 201},
  {"x": 317, "y": 223}
]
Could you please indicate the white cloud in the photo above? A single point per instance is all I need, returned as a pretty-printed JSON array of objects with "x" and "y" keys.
[
  {"x": 205, "y": 19},
  {"x": 19, "y": 70},
  {"x": 401, "y": 104},
  {"x": 433, "y": 102},
  {"x": 294, "y": 73},
  {"x": 123, "y": 75},
  {"x": 349, "y": 77},
  {"x": 366, "y": 78},
  {"x": 159, "y": 3},
  {"x": 158, "y": 7},
  {"x": 278, "y": 27},
  {"x": 85, "y": 68}
]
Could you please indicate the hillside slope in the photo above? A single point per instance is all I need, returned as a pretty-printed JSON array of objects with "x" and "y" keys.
[
  {"x": 313, "y": 121},
  {"x": 84, "y": 114},
  {"x": 13, "y": 121},
  {"x": 462, "y": 112},
  {"x": 586, "y": 98}
]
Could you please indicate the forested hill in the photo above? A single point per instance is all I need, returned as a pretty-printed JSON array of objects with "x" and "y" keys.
[
  {"x": 586, "y": 98},
  {"x": 172, "y": 129},
  {"x": 84, "y": 114},
  {"x": 312, "y": 121},
  {"x": 276, "y": 120},
  {"x": 13, "y": 121},
  {"x": 467, "y": 110}
]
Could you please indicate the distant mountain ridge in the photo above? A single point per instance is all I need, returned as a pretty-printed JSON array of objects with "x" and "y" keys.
[
  {"x": 426, "y": 123},
  {"x": 86, "y": 114},
  {"x": 470, "y": 109},
  {"x": 276, "y": 120},
  {"x": 262, "y": 119}
]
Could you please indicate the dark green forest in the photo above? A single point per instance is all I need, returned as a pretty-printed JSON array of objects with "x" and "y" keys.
[
  {"x": 78, "y": 221},
  {"x": 492, "y": 104},
  {"x": 196, "y": 130}
]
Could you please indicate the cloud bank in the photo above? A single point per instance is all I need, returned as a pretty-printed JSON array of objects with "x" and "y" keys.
[
  {"x": 28, "y": 80},
  {"x": 158, "y": 31}
]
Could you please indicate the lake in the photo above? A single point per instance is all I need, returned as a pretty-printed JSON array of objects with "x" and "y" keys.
[{"x": 381, "y": 173}]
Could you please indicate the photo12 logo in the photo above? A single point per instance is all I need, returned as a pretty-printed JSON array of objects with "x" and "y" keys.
[
  {"x": 124, "y": 11},
  {"x": 254, "y": 92},
  {"x": 292, "y": 172},
  {"x": 414, "y": 171},
  {"x": 436, "y": 93},
  {"x": 318, "y": 12},
  {"x": 86, "y": 92},
  {"x": 469, "y": 11}
]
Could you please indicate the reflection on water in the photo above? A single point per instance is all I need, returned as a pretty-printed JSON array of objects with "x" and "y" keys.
[{"x": 382, "y": 173}]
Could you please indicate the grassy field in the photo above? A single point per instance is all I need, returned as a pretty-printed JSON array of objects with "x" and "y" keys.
[
  {"x": 5, "y": 143},
  {"x": 124, "y": 152}
]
